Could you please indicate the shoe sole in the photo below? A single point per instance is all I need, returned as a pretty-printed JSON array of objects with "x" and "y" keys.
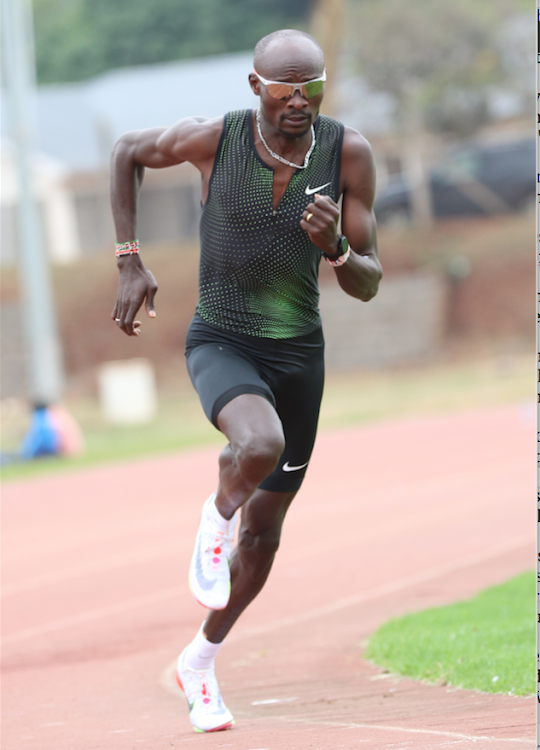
[{"x": 227, "y": 725}]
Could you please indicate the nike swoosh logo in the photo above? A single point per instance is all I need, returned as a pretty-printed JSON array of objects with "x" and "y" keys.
[
  {"x": 310, "y": 191},
  {"x": 203, "y": 582},
  {"x": 286, "y": 467}
]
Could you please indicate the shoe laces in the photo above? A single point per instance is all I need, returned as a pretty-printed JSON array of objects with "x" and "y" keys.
[
  {"x": 220, "y": 541},
  {"x": 215, "y": 545},
  {"x": 205, "y": 691}
]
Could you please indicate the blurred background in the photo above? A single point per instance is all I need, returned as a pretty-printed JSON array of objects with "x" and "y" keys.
[{"x": 443, "y": 91}]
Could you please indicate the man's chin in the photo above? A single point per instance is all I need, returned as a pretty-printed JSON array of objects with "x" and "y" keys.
[{"x": 290, "y": 130}]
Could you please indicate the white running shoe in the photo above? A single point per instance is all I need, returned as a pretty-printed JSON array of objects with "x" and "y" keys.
[
  {"x": 209, "y": 575},
  {"x": 207, "y": 712}
]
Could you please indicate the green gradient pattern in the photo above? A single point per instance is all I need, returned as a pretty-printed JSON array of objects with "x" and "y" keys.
[{"x": 259, "y": 269}]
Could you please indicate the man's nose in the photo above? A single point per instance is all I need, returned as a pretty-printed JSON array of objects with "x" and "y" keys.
[{"x": 297, "y": 100}]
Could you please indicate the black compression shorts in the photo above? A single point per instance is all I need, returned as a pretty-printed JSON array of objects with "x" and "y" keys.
[{"x": 289, "y": 373}]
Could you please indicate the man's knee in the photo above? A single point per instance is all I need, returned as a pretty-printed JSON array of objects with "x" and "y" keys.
[
  {"x": 257, "y": 455},
  {"x": 255, "y": 435}
]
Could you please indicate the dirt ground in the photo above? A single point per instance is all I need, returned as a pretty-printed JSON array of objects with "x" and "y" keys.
[{"x": 392, "y": 518}]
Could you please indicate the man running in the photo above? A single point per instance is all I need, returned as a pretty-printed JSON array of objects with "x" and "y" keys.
[{"x": 271, "y": 179}]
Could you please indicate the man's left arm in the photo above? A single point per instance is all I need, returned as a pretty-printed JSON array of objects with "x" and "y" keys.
[{"x": 359, "y": 276}]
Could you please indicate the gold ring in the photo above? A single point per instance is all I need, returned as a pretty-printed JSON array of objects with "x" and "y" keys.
[{"x": 308, "y": 217}]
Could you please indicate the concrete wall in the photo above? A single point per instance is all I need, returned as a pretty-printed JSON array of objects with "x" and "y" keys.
[
  {"x": 168, "y": 211},
  {"x": 55, "y": 205},
  {"x": 76, "y": 210},
  {"x": 404, "y": 322}
]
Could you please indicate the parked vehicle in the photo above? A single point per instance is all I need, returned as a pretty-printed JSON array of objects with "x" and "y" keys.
[{"x": 473, "y": 180}]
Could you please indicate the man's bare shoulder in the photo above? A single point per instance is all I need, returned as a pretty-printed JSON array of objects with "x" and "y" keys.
[
  {"x": 192, "y": 138},
  {"x": 355, "y": 146},
  {"x": 358, "y": 167}
]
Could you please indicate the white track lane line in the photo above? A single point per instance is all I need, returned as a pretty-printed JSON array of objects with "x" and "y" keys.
[
  {"x": 412, "y": 730},
  {"x": 167, "y": 677},
  {"x": 94, "y": 614},
  {"x": 387, "y": 588},
  {"x": 168, "y": 683},
  {"x": 348, "y": 601}
]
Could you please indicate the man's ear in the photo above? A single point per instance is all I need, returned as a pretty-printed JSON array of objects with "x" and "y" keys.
[{"x": 255, "y": 84}]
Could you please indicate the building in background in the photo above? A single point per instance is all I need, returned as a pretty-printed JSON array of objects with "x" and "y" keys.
[
  {"x": 55, "y": 199},
  {"x": 78, "y": 124}
]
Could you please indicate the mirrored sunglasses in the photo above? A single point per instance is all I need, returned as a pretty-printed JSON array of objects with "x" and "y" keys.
[{"x": 282, "y": 90}]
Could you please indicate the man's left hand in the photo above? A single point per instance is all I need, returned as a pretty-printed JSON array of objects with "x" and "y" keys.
[{"x": 320, "y": 221}]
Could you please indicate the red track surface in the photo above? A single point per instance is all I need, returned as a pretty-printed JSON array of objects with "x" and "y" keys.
[{"x": 392, "y": 518}]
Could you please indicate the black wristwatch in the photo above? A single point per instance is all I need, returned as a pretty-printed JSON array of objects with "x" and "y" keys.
[{"x": 342, "y": 249}]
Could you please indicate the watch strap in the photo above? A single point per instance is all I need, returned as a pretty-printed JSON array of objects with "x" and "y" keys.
[{"x": 342, "y": 254}]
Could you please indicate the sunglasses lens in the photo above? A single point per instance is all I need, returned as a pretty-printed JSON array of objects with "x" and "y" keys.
[
  {"x": 286, "y": 90},
  {"x": 280, "y": 90},
  {"x": 313, "y": 88}
]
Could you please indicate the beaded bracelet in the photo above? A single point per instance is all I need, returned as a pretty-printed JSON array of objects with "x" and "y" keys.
[{"x": 127, "y": 248}]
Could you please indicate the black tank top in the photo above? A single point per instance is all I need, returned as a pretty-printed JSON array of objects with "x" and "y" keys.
[{"x": 259, "y": 269}]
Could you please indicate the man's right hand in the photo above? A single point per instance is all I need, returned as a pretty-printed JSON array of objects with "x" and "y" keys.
[{"x": 135, "y": 286}]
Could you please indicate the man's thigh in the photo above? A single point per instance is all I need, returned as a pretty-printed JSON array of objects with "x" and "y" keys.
[
  {"x": 250, "y": 418},
  {"x": 298, "y": 398},
  {"x": 220, "y": 375},
  {"x": 264, "y": 397}
]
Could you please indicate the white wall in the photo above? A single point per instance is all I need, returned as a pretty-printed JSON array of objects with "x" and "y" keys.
[{"x": 56, "y": 204}]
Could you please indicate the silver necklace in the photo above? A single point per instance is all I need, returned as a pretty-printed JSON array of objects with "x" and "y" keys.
[{"x": 277, "y": 156}]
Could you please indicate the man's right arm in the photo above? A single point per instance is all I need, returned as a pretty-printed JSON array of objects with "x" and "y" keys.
[{"x": 194, "y": 140}]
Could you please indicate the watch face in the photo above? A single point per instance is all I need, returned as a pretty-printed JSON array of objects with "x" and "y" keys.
[{"x": 342, "y": 249}]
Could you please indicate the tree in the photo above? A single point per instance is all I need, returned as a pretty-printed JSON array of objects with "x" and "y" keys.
[
  {"x": 77, "y": 39},
  {"x": 437, "y": 58}
]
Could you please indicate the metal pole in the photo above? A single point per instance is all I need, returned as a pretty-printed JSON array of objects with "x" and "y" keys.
[
  {"x": 37, "y": 309},
  {"x": 537, "y": 25}
]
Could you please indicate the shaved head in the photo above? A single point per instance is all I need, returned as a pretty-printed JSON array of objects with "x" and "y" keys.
[
  {"x": 288, "y": 56},
  {"x": 284, "y": 36}
]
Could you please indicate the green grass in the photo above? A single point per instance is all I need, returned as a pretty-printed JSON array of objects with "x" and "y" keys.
[
  {"x": 486, "y": 643},
  {"x": 350, "y": 398},
  {"x": 356, "y": 398}
]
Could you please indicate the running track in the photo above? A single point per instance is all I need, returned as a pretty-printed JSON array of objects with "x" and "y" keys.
[{"x": 392, "y": 518}]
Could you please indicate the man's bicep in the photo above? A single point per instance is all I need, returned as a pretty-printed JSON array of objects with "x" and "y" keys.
[
  {"x": 194, "y": 139},
  {"x": 358, "y": 224},
  {"x": 358, "y": 219},
  {"x": 140, "y": 147},
  {"x": 146, "y": 148}
]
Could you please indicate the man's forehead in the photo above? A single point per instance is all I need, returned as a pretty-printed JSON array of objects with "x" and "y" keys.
[{"x": 286, "y": 56}]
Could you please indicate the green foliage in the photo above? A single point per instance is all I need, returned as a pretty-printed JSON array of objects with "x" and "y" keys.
[
  {"x": 486, "y": 643},
  {"x": 426, "y": 40},
  {"x": 76, "y": 39},
  {"x": 444, "y": 55}
]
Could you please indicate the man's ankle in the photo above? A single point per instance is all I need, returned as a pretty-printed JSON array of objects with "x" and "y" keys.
[{"x": 201, "y": 652}]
